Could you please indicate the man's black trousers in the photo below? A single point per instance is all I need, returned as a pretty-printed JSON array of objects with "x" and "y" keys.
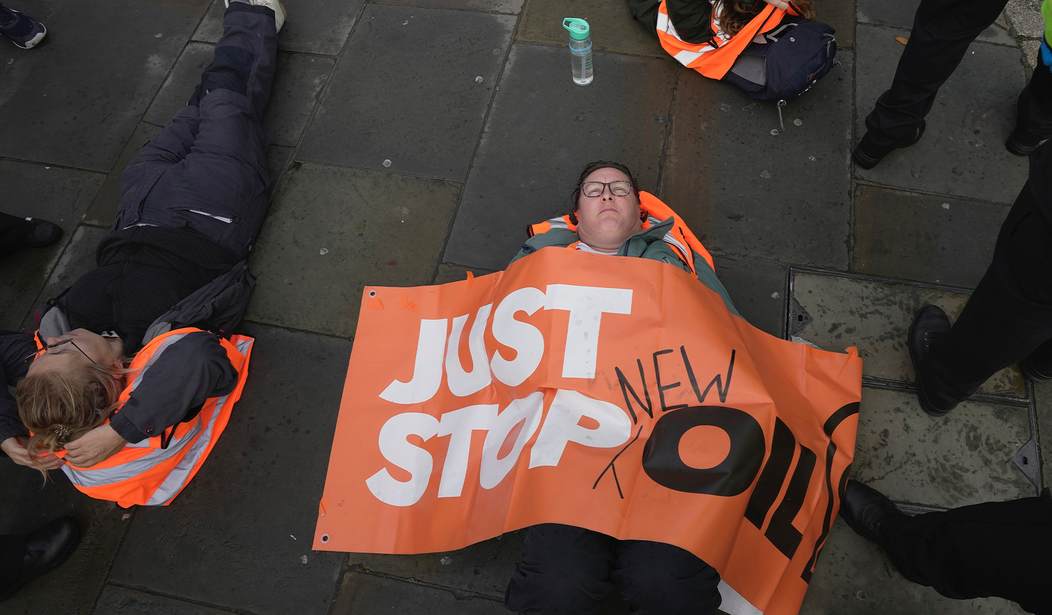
[
  {"x": 570, "y": 571},
  {"x": 942, "y": 32},
  {"x": 1009, "y": 316},
  {"x": 1001, "y": 549}
]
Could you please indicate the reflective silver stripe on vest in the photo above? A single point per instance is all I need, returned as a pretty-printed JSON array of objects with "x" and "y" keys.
[
  {"x": 180, "y": 474},
  {"x": 557, "y": 223},
  {"x": 95, "y": 478}
]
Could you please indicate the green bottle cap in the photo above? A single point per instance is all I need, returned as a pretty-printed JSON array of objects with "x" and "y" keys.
[{"x": 577, "y": 27}]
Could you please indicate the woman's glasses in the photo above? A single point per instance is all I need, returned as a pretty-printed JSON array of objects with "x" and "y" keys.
[{"x": 50, "y": 348}]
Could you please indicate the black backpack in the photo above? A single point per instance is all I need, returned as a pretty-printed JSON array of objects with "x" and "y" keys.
[{"x": 796, "y": 55}]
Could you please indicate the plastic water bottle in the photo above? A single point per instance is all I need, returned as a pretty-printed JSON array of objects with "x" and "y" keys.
[{"x": 580, "y": 49}]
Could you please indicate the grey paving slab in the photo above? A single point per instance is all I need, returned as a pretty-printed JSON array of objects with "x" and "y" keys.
[
  {"x": 331, "y": 230},
  {"x": 131, "y": 602},
  {"x": 962, "y": 152},
  {"x": 838, "y": 311},
  {"x": 29, "y": 503},
  {"x": 749, "y": 193},
  {"x": 511, "y": 7},
  {"x": 298, "y": 81},
  {"x": 541, "y": 132},
  {"x": 439, "y": 98},
  {"x": 482, "y": 568},
  {"x": 943, "y": 240},
  {"x": 757, "y": 289},
  {"x": 842, "y": 16},
  {"x": 855, "y": 578},
  {"x": 963, "y": 458},
  {"x": 74, "y": 101},
  {"x": 613, "y": 28},
  {"x": 103, "y": 208},
  {"x": 278, "y": 161},
  {"x": 312, "y": 26},
  {"x": 239, "y": 536},
  {"x": 52, "y": 193},
  {"x": 77, "y": 259},
  {"x": 900, "y": 15},
  {"x": 363, "y": 594}
]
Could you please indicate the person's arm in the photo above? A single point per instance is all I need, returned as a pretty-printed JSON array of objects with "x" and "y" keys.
[
  {"x": 174, "y": 387},
  {"x": 14, "y": 348},
  {"x": 179, "y": 380}
]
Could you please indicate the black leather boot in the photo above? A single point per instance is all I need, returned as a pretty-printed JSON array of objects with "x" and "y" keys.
[
  {"x": 928, "y": 327},
  {"x": 866, "y": 510},
  {"x": 46, "y": 548}
]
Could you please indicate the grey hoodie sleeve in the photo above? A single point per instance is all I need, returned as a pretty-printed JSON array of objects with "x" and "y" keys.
[{"x": 175, "y": 385}]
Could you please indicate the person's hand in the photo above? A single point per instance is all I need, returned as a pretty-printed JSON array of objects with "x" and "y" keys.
[
  {"x": 778, "y": 4},
  {"x": 97, "y": 445},
  {"x": 16, "y": 449}
]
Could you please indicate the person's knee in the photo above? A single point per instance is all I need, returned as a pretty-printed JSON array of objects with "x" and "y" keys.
[
  {"x": 662, "y": 579},
  {"x": 556, "y": 590},
  {"x": 564, "y": 569}
]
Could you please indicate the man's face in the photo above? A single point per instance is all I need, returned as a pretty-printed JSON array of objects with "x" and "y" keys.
[{"x": 605, "y": 221}]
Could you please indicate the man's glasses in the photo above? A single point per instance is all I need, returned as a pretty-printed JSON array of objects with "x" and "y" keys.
[{"x": 617, "y": 188}]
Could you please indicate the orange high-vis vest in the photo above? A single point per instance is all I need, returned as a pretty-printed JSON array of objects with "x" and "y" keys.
[
  {"x": 715, "y": 57},
  {"x": 683, "y": 241},
  {"x": 153, "y": 471}
]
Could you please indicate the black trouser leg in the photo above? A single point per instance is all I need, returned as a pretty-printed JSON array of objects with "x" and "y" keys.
[
  {"x": 1035, "y": 103},
  {"x": 1009, "y": 316},
  {"x": 570, "y": 570},
  {"x": 11, "y": 230},
  {"x": 207, "y": 170},
  {"x": 942, "y": 32},
  {"x": 660, "y": 579},
  {"x": 12, "y": 553},
  {"x": 1001, "y": 549},
  {"x": 564, "y": 570}
]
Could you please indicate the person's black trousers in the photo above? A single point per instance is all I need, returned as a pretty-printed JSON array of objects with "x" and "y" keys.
[
  {"x": 1009, "y": 316},
  {"x": 942, "y": 32},
  {"x": 11, "y": 230},
  {"x": 1001, "y": 549},
  {"x": 207, "y": 169},
  {"x": 569, "y": 570},
  {"x": 12, "y": 554}
]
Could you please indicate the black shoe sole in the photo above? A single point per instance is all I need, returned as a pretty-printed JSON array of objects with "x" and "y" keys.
[{"x": 1019, "y": 148}]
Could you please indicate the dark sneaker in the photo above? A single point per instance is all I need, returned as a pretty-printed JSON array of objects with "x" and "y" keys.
[
  {"x": 868, "y": 154},
  {"x": 45, "y": 549},
  {"x": 929, "y": 326},
  {"x": 21, "y": 29},
  {"x": 866, "y": 510}
]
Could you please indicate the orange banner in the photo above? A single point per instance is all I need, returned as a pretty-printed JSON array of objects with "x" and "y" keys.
[{"x": 616, "y": 394}]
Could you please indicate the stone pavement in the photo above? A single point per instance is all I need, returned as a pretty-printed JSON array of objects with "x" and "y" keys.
[{"x": 413, "y": 141}]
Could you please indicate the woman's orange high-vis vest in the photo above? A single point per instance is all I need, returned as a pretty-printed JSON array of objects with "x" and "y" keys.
[
  {"x": 715, "y": 57},
  {"x": 683, "y": 241},
  {"x": 153, "y": 471}
]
